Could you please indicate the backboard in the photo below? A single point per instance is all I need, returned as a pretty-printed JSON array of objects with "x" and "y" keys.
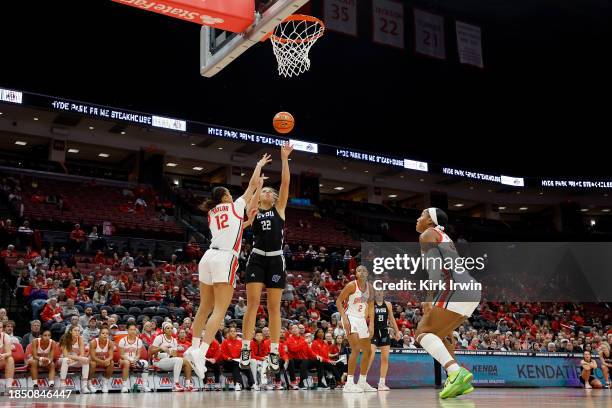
[{"x": 219, "y": 48}]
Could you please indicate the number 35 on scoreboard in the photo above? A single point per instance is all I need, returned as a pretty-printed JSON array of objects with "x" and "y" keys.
[
  {"x": 388, "y": 22},
  {"x": 341, "y": 16}
]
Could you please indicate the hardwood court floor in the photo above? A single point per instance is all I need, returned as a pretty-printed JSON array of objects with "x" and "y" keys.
[{"x": 417, "y": 398}]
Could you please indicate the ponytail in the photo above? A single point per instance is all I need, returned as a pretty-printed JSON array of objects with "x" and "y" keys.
[{"x": 216, "y": 197}]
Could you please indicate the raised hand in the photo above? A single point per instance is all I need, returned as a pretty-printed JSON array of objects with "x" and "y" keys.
[
  {"x": 286, "y": 150},
  {"x": 265, "y": 159}
]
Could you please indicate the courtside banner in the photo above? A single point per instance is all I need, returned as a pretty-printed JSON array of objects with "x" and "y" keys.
[
  {"x": 408, "y": 368},
  {"x": 448, "y": 272},
  {"x": 415, "y": 368}
]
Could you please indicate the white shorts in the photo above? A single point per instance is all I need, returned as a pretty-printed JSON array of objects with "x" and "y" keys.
[
  {"x": 218, "y": 267},
  {"x": 359, "y": 326},
  {"x": 463, "y": 308}
]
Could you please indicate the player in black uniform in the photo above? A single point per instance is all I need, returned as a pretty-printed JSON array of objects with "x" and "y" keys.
[
  {"x": 383, "y": 315},
  {"x": 266, "y": 264}
]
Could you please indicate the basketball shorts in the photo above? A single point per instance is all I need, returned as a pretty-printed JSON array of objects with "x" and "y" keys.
[
  {"x": 269, "y": 270},
  {"x": 218, "y": 266},
  {"x": 359, "y": 326},
  {"x": 449, "y": 300},
  {"x": 381, "y": 338}
]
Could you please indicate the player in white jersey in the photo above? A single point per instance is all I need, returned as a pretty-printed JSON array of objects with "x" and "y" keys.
[
  {"x": 101, "y": 352},
  {"x": 165, "y": 357},
  {"x": 449, "y": 308},
  {"x": 6, "y": 356},
  {"x": 217, "y": 269},
  {"x": 130, "y": 348},
  {"x": 354, "y": 304},
  {"x": 73, "y": 355},
  {"x": 43, "y": 356}
]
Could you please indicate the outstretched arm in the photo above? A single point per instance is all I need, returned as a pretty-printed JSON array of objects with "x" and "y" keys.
[
  {"x": 253, "y": 204},
  {"x": 283, "y": 194},
  {"x": 248, "y": 193}
]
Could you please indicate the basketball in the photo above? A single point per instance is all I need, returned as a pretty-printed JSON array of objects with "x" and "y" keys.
[{"x": 283, "y": 122}]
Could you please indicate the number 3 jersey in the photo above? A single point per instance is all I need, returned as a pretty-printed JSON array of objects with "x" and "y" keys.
[
  {"x": 225, "y": 223},
  {"x": 268, "y": 230}
]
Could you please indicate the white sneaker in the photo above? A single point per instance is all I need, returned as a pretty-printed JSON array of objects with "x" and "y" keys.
[
  {"x": 125, "y": 389},
  {"x": 383, "y": 387},
  {"x": 238, "y": 387},
  {"x": 85, "y": 389},
  {"x": 197, "y": 359},
  {"x": 256, "y": 387},
  {"x": 104, "y": 387},
  {"x": 587, "y": 386},
  {"x": 351, "y": 388},
  {"x": 92, "y": 389},
  {"x": 366, "y": 387},
  {"x": 146, "y": 389}
]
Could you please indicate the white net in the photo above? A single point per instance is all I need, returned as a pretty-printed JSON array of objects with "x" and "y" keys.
[{"x": 291, "y": 42}]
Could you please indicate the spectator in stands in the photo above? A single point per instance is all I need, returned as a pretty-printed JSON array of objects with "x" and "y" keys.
[
  {"x": 51, "y": 313},
  {"x": 34, "y": 333},
  {"x": 127, "y": 262},
  {"x": 311, "y": 253},
  {"x": 6, "y": 357},
  {"x": 9, "y": 330},
  {"x": 321, "y": 349},
  {"x": 229, "y": 353},
  {"x": 74, "y": 322},
  {"x": 91, "y": 331},
  {"x": 9, "y": 252},
  {"x": 260, "y": 348},
  {"x": 25, "y": 234},
  {"x": 77, "y": 239},
  {"x": 313, "y": 312},
  {"x": 83, "y": 298},
  {"x": 163, "y": 216},
  {"x": 115, "y": 299},
  {"x": 42, "y": 259},
  {"x": 300, "y": 357},
  {"x": 107, "y": 277},
  {"x": 84, "y": 319},
  {"x": 72, "y": 291},
  {"x": 240, "y": 309},
  {"x": 148, "y": 335},
  {"x": 23, "y": 281},
  {"x": 55, "y": 291},
  {"x": 3, "y": 315},
  {"x": 101, "y": 296},
  {"x": 140, "y": 204},
  {"x": 69, "y": 309}
]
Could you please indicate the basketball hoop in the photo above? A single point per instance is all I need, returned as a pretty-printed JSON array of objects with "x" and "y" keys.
[{"x": 292, "y": 40}]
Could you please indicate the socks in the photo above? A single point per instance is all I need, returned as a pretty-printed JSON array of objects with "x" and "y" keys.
[
  {"x": 350, "y": 379},
  {"x": 204, "y": 347},
  {"x": 452, "y": 368},
  {"x": 435, "y": 347},
  {"x": 195, "y": 342},
  {"x": 246, "y": 344},
  {"x": 274, "y": 348},
  {"x": 362, "y": 379},
  {"x": 382, "y": 380}
]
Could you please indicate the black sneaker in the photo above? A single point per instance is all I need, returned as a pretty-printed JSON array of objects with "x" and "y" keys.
[
  {"x": 245, "y": 358},
  {"x": 274, "y": 362}
]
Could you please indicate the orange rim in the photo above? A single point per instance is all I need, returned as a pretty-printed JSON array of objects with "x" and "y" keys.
[{"x": 297, "y": 17}]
